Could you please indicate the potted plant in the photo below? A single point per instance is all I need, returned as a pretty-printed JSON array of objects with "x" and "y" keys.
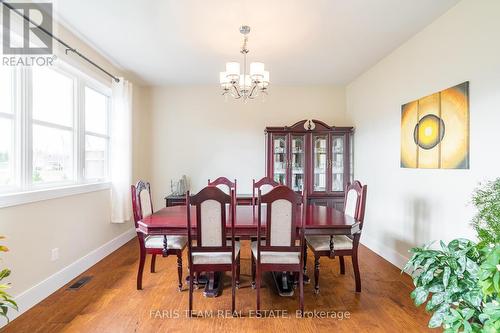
[
  {"x": 6, "y": 301},
  {"x": 460, "y": 281}
]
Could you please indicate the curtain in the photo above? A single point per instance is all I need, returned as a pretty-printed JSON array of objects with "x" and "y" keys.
[{"x": 121, "y": 151}]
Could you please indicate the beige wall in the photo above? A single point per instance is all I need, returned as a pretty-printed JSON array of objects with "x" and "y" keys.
[
  {"x": 408, "y": 207},
  {"x": 197, "y": 133},
  {"x": 77, "y": 224}
]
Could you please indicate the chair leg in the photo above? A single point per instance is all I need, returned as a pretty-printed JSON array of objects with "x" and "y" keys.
[
  {"x": 301, "y": 293},
  {"x": 142, "y": 260},
  {"x": 190, "y": 308},
  {"x": 179, "y": 270},
  {"x": 233, "y": 289},
  {"x": 258, "y": 290},
  {"x": 253, "y": 272},
  {"x": 305, "y": 258},
  {"x": 342, "y": 265},
  {"x": 153, "y": 263},
  {"x": 316, "y": 274},
  {"x": 238, "y": 272},
  {"x": 355, "y": 266}
]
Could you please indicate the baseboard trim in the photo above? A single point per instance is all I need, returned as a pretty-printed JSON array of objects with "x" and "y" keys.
[
  {"x": 389, "y": 254},
  {"x": 45, "y": 288}
]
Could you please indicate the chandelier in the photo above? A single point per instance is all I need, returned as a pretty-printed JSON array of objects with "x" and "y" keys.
[{"x": 244, "y": 85}]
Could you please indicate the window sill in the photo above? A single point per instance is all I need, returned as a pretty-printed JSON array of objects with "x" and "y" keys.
[{"x": 21, "y": 198}]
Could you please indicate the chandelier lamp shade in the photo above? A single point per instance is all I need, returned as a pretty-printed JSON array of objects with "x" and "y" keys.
[{"x": 239, "y": 83}]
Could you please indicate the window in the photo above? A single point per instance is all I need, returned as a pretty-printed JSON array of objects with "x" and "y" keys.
[
  {"x": 53, "y": 132},
  {"x": 53, "y": 128},
  {"x": 7, "y": 128},
  {"x": 96, "y": 134}
]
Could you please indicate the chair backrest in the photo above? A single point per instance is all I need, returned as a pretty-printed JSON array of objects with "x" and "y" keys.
[
  {"x": 256, "y": 186},
  {"x": 142, "y": 205},
  {"x": 355, "y": 201},
  {"x": 224, "y": 181},
  {"x": 210, "y": 204},
  {"x": 282, "y": 207}
]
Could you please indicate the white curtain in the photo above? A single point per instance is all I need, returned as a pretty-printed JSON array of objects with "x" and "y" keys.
[{"x": 121, "y": 151}]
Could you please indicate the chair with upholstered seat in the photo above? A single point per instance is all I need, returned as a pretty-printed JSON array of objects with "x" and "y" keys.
[
  {"x": 341, "y": 245},
  {"x": 209, "y": 250},
  {"x": 278, "y": 250},
  {"x": 142, "y": 205},
  {"x": 221, "y": 182},
  {"x": 258, "y": 185}
]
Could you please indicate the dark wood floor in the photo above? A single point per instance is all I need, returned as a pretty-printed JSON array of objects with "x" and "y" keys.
[{"x": 110, "y": 302}]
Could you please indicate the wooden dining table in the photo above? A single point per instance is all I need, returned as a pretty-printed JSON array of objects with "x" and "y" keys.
[{"x": 319, "y": 220}]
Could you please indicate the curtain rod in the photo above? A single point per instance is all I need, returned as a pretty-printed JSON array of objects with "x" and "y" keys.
[{"x": 66, "y": 45}]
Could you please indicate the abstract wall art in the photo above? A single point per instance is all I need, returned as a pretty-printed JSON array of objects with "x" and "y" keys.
[{"x": 435, "y": 130}]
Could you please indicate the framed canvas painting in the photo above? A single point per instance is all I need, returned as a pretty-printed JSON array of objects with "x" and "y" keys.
[{"x": 435, "y": 130}]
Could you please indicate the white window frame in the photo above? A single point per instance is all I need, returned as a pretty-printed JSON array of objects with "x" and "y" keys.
[
  {"x": 25, "y": 191},
  {"x": 106, "y": 92}
]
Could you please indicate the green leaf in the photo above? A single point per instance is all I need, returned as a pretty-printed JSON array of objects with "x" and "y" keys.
[
  {"x": 446, "y": 276},
  {"x": 473, "y": 297},
  {"x": 496, "y": 281},
  {"x": 435, "y": 300},
  {"x": 428, "y": 276},
  {"x": 467, "y": 313},
  {"x": 436, "y": 287},
  {"x": 420, "y": 295},
  {"x": 436, "y": 319},
  {"x": 467, "y": 327},
  {"x": 471, "y": 267}
]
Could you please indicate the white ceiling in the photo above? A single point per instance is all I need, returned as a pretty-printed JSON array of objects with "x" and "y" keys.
[{"x": 300, "y": 41}]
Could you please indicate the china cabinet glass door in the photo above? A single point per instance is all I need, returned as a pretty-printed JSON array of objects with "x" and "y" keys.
[
  {"x": 320, "y": 162},
  {"x": 298, "y": 162},
  {"x": 279, "y": 158},
  {"x": 338, "y": 147}
]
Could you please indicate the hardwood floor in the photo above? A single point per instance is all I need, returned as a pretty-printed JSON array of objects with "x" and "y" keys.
[{"x": 111, "y": 303}]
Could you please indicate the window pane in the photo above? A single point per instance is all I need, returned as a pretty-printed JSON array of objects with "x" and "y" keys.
[
  {"x": 5, "y": 90},
  {"x": 52, "y": 154},
  {"x": 6, "y": 152},
  {"x": 95, "y": 111},
  {"x": 52, "y": 96},
  {"x": 95, "y": 157}
]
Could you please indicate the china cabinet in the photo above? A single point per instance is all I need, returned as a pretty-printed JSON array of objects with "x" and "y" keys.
[{"x": 314, "y": 156}]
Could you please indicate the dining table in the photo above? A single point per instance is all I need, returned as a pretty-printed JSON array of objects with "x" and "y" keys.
[{"x": 319, "y": 220}]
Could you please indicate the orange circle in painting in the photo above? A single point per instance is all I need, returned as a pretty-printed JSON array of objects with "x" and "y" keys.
[{"x": 429, "y": 131}]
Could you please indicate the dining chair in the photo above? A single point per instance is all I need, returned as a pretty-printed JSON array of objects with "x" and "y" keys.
[
  {"x": 153, "y": 244},
  {"x": 278, "y": 250},
  {"x": 256, "y": 186},
  {"x": 342, "y": 245},
  {"x": 224, "y": 181},
  {"x": 210, "y": 250}
]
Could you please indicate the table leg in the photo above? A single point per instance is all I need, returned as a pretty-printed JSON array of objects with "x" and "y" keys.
[
  {"x": 214, "y": 286},
  {"x": 284, "y": 283},
  {"x": 202, "y": 279},
  {"x": 165, "y": 247}
]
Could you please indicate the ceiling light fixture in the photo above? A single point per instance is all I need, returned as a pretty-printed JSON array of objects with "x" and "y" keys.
[{"x": 244, "y": 86}]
